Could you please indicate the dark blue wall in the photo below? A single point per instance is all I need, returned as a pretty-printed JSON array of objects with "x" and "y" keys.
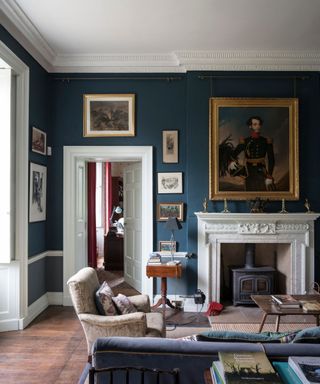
[
  {"x": 39, "y": 117},
  {"x": 183, "y": 105}
]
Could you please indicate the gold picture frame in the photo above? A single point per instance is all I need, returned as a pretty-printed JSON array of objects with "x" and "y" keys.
[
  {"x": 166, "y": 210},
  {"x": 165, "y": 246},
  {"x": 254, "y": 148},
  {"x": 108, "y": 115}
]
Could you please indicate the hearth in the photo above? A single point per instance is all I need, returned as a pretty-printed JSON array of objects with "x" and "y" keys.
[{"x": 251, "y": 280}]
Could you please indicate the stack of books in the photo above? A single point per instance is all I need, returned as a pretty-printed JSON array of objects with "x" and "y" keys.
[
  {"x": 306, "y": 368},
  {"x": 154, "y": 259},
  {"x": 286, "y": 302},
  {"x": 246, "y": 367}
]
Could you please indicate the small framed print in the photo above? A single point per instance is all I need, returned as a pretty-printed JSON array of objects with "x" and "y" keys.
[
  {"x": 38, "y": 192},
  {"x": 39, "y": 141},
  {"x": 107, "y": 115},
  {"x": 170, "y": 182},
  {"x": 166, "y": 210},
  {"x": 165, "y": 246},
  {"x": 170, "y": 146}
]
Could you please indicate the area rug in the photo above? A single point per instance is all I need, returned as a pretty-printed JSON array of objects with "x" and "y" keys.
[
  {"x": 253, "y": 328},
  {"x": 186, "y": 319}
]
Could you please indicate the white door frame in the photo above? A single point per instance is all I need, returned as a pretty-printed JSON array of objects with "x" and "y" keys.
[
  {"x": 19, "y": 279},
  {"x": 111, "y": 154}
]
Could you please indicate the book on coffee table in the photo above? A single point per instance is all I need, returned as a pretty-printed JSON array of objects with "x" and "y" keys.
[
  {"x": 286, "y": 301},
  {"x": 238, "y": 367},
  {"x": 306, "y": 368},
  {"x": 310, "y": 306}
]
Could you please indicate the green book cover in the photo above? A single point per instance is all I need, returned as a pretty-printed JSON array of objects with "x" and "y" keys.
[{"x": 253, "y": 367}]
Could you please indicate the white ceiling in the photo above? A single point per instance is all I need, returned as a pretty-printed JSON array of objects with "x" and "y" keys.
[{"x": 167, "y": 35}]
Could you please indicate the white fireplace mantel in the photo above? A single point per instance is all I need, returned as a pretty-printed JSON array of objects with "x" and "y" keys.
[{"x": 214, "y": 229}]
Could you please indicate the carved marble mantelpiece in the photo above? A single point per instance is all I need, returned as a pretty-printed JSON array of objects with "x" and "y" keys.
[{"x": 295, "y": 229}]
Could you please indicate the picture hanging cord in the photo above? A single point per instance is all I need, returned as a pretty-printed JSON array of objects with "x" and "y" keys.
[{"x": 69, "y": 79}]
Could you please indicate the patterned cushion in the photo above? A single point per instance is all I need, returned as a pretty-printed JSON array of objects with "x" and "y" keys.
[
  {"x": 103, "y": 299},
  {"x": 123, "y": 304}
]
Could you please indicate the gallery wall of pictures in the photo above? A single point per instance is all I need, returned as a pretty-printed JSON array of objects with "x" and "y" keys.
[{"x": 163, "y": 102}]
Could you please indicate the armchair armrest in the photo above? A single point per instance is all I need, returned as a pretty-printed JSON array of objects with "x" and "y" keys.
[
  {"x": 132, "y": 324},
  {"x": 141, "y": 302}
]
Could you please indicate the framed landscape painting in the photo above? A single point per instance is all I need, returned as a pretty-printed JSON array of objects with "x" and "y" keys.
[
  {"x": 38, "y": 192},
  {"x": 108, "y": 115},
  {"x": 165, "y": 246},
  {"x": 254, "y": 148},
  {"x": 166, "y": 210}
]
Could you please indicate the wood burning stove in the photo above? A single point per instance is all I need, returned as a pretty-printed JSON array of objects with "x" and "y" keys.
[{"x": 251, "y": 280}]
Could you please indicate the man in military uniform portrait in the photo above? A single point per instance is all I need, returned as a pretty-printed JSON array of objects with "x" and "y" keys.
[{"x": 258, "y": 164}]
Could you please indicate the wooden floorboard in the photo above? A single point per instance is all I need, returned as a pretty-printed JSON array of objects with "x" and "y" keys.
[{"x": 52, "y": 349}]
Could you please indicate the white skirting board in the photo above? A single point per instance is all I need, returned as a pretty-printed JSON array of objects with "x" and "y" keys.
[{"x": 36, "y": 308}]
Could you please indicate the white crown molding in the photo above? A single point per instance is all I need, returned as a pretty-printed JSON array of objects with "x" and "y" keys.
[
  {"x": 22, "y": 29},
  {"x": 249, "y": 60},
  {"x": 115, "y": 63}
]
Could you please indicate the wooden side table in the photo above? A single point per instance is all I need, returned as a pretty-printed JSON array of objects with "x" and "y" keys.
[{"x": 164, "y": 271}]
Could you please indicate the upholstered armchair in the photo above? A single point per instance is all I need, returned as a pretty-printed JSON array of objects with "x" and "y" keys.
[{"x": 83, "y": 286}]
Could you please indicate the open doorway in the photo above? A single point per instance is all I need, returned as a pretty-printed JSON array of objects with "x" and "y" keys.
[
  {"x": 137, "y": 187},
  {"x": 109, "y": 216}
]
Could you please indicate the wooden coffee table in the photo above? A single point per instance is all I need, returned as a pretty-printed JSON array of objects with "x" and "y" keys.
[{"x": 265, "y": 303}]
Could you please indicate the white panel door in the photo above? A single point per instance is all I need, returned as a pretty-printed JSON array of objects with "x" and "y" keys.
[
  {"x": 132, "y": 213},
  {"x": 81, "y": 259}
]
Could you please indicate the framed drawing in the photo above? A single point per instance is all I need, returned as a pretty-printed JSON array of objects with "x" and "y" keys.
[
  {"x": 170, "y": 146},
  {"x": 170, "y": 182},
  {"x": 166, "y": 210},
  {"x": 254, "y": 148},
  {"x": 39, "y": 141},
  {"x": 108, "y": 115},
  {"x": 165, "y": 246},
  {"x": 38, "y": 192}
]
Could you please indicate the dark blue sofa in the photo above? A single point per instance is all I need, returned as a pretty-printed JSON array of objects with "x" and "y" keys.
[{"x": 191, "y": 357}]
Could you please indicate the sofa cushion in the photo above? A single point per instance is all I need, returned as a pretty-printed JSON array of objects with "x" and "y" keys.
[
  {"x": 123, "y": 304},
  {"x": 103, "y": 299},
  {"x": 308, "y": 335},
  {"x": 233, "y": 336}
]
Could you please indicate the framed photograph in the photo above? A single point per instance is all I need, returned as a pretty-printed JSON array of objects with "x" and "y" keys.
[
  {"x": 166, "y": 210},
  {"x": 39, "y": 141},
  {"x": 38, "y": 192},
  {"x": 170, "y": 182},
  {"x": 165, "y": 246},
  {"x": 254, "y": 148},
  {"x": 170, "y": 146},
  {"x": 108, "y": 115}
]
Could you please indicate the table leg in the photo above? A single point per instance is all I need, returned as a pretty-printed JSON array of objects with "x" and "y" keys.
[
  {"x": 262, "y": 322},
  {"x": 277, "y": 323},
  {"x": 163, "y": 300}
]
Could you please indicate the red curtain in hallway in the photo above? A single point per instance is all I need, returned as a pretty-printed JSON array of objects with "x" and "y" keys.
[
  {"x": 108, "y": 195},
  {"x": 92, "y": 234}
]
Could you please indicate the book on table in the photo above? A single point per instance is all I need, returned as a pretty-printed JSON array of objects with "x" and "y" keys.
[
  {"x": 286, "y": 301},
  {"x": 306, "y": 368},
  {"x": 310, "y": 306},
  {"x": 242, "y": 367}
]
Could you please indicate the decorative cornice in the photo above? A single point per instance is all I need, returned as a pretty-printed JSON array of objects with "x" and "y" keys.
[{"x": 19, "y": 25}]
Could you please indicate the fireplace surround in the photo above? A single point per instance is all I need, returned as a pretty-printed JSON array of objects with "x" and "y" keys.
[{"x": 295, "y": 229}]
